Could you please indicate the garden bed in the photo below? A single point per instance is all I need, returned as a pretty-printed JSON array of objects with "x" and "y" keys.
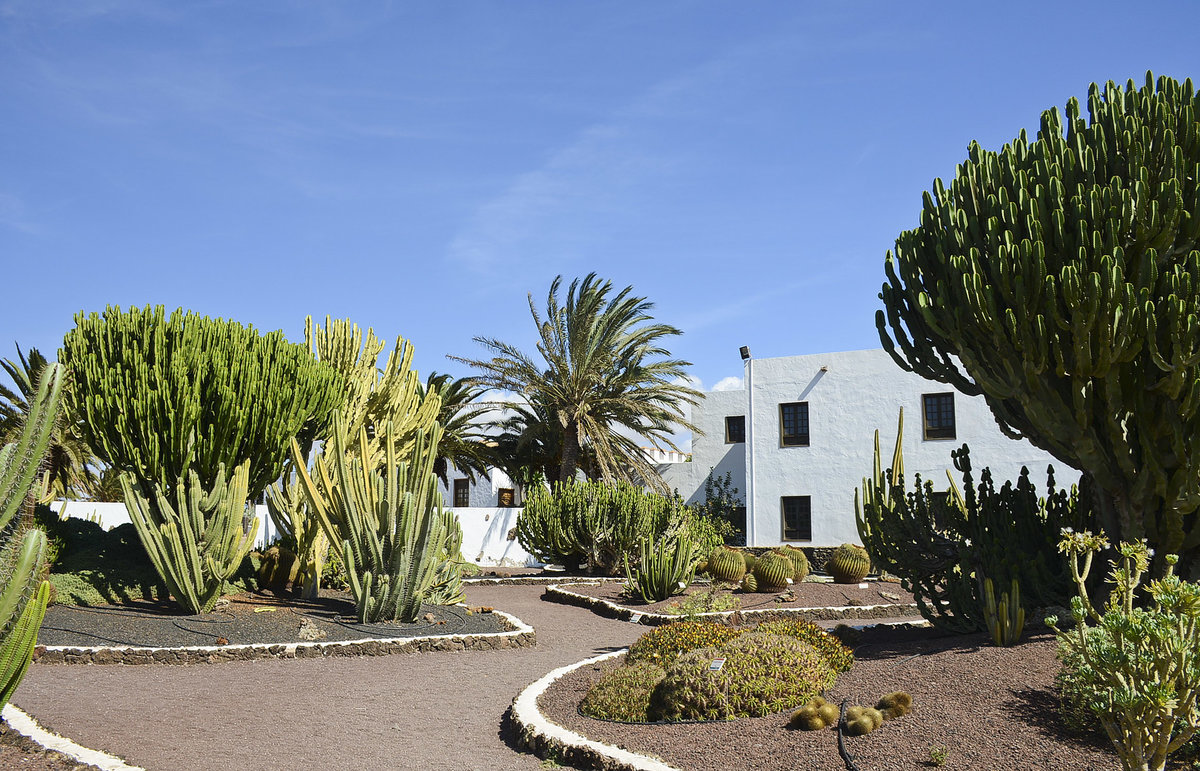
[
  {"x": 975, "y": 706},
  {"x": 261, "y": 625},
  {"x": 813, "y": 600}
]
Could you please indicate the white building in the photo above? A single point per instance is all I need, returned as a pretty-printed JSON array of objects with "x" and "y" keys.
[{"x": 799, "y": 438}]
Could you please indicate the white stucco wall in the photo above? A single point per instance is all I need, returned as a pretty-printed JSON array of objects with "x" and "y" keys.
[
  {"x": 484, "y": 491},
  {"x": 709, "y": 449},
  {"x": 857, "y": 393}
]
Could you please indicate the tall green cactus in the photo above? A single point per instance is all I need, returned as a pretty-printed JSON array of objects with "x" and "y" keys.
[
  {"x": 23, "y": 595},
  {"x": 666, "y": 567},
  {"x": 300, "y": 531},
  {"x": 1060, "y": 279},
  {"x": 198, "y": 541},
  {"x": 942, "y": 545},
  {"x": 396, "y": 537},
  {"x": 162, "y": 395}
]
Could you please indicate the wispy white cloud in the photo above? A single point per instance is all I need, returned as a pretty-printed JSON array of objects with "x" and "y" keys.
[{"x": 730, "y": 383}]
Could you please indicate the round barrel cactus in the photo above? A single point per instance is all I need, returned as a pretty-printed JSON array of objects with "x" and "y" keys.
[
  {"x": 849, "y": 564},
  {"x": 799, "y": 562},
  {"x": 725, "y": 564},
  {"x": 773, "y": 571}
]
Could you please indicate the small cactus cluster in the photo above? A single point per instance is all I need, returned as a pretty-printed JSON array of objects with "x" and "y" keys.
[
  {"x": 815, "y": 715},
  {"x": 849, "y": 564},
  {"x": 859, "y": 720},
  {"x": 664, "y": 644},
  {"x": 840, "y": 657}
]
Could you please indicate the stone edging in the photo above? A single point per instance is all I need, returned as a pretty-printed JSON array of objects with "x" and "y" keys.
[
  {"x": 518, "y": 635},
  {"x": 550, "y": 740},
  {"x": 556, "y": 593},
  {"x": 22, "y": 723}
]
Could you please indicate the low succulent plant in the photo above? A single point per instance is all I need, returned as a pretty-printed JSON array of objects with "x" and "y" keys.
[
  {"x": 862, "y": 720},
  {"x": 762, "y": 674},
  {"x": 623, "y": 694},
  {"x": 663, "y": 645},
  {"x": 839, "y": 657}
]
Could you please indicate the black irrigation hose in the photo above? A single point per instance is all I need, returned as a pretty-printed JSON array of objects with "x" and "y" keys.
[{"x": 841, "y": 732}]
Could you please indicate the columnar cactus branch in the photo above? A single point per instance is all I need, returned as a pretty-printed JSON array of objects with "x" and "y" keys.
[{"x": 198, "y": 542}]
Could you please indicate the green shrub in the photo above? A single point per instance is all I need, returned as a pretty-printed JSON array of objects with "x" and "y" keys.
[
  {"x": 762, "y": 674},
  {"x": 706, "y": 601},
  {"x": 663, "y": 645},
  {"x": 1136, "y": 669},
  {"x": 623, "y": 693},
  {"x": 839, "y": 657}
]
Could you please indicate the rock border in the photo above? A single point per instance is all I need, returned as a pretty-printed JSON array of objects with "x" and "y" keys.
[
  {"x": 518, "y": 635},
  {"x": 24, "y": 724},
  {"x": 527, "y": 581},
  {"x": 551, "y": 741},
  {"x": 557, "y": 593}
]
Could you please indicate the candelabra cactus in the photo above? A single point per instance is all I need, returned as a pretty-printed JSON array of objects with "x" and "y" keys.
[
  {"x": 396, "y": 537},
  {"x": 198, "y": 541},
  {"x": 23, "y": 596}
]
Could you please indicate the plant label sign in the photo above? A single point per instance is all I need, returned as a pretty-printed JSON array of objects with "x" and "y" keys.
[
  {"x": 636, "y": 618},
  {"x": 862, "y": 585},
  {"x": 716, "y": 665}
]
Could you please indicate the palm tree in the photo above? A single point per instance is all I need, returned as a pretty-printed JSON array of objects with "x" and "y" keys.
[
  {"x": 602, "y": 367},
  {"x": 464, "y": 444},
  {"x": 69, "y": 460}
]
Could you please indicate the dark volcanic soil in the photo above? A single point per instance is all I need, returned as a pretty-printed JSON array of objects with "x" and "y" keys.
[{"x": 803, "y": 595}]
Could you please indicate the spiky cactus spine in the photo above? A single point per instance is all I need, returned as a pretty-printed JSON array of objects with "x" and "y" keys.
[
  {"x": 725, "y": 564},
  {"x": 396, "y": 537},
  {"x": 773, "y": 572},
  {"x": 849, "y": 564},
  {"x": 1060, "y": 279},
  {"x": 23, "y": 597},
  {"x": 198, "y": 541}
]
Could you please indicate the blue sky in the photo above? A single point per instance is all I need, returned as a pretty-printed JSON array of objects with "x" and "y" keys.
[{"x": 420, "y": 167}]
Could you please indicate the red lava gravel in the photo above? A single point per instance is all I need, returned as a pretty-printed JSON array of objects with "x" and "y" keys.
[
  {"x": 807, "y": 594},
  {"x": 989, "y": 707}
]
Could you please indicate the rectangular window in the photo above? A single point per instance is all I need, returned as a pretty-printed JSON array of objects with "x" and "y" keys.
[
  {"x": 735, "y": 429},
  {"x": 462, "y": 493},
  {"x": 939, "y": 416},
  {"x": 797, "y": 517},
  {"x": 793, "y": 424},
  {"x": 506, "y": 497}
]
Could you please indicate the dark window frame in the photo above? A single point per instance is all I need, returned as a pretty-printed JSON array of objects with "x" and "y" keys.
[
  {"x": 802, "y": 436},
  {"x": 462, "y": 486},
  {"x": 802, "y": 531},
  {"x": 737, "y": 436},
  {"x": 942, "y": 412}
]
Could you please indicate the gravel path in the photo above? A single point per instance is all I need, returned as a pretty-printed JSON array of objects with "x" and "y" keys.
[{"x": 429, "y": 711}]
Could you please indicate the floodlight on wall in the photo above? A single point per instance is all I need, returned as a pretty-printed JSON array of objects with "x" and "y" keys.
[
  {"x": 745, "y": 351},
  {"x": 824, "y": 369}
]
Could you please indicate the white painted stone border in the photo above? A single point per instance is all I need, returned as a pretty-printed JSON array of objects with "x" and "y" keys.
[
  {"x": 287, "y": 650},
  {"x": 25, "y": 725},
  {"x": 536, "y": 730},
  {"x": 656, "y": 619}
]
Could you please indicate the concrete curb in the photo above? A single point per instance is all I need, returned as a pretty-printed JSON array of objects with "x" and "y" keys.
[
  {"x": 25, "y": 725},
  {"x": 530, "y": 581},
  {"x": 519, "y": 635},
  {"x": 557, "y": 593},
  {"x": 550, "y": 740}
]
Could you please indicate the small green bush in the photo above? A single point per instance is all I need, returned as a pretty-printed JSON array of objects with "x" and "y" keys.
[
  {"x": 623, "y": 694},
  {"x": 663, "y": 645},
  {"x": 840, "y": 657},
  {"x": 762, "y": 674}
]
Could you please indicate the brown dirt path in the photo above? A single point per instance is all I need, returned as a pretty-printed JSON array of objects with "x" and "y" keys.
[{"x": 429, "y": 711}]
